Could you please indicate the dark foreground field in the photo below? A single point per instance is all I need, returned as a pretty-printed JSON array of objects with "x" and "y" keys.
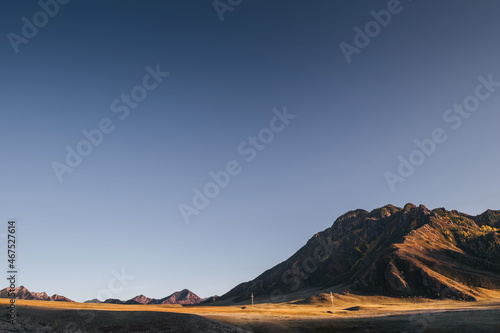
[
  {"x": 55, "y": 320},
  {"x": 463, "y": 321}
]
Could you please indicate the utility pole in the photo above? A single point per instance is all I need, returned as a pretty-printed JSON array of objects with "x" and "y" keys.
[
  {"x": 331, "y": 297},
  {"x": 252, "y": 298}
]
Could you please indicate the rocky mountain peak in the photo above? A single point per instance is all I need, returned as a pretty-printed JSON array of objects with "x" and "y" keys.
[{"x": 410, "y": 251}]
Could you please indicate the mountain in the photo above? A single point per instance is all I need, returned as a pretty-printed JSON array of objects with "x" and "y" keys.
[
  {"x": 95, "y": 300},
  {"x": 114, "y": 301},
  {"x": 59, "y": 298},
  {"x": 393, "y": 251},
  {"x": 23, "y": 293},
  {"x": 141, "y": 299},
  {"x": 180, "y": 297}
]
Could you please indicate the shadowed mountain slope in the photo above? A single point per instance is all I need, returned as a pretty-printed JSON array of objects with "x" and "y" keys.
[{"x": 410, "y": 251}]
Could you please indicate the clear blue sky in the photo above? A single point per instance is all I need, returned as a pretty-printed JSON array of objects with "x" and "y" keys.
[{"x": 120, "y": 207}]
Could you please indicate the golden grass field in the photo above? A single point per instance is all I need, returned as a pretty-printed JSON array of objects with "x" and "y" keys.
[{"x": 370, "y": 314}]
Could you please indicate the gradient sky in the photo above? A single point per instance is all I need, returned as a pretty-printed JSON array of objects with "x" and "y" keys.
[{"x": 119, "y": 208}]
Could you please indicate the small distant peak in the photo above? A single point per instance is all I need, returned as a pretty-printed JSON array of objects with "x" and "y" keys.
[
  {"x": 95, "y": 300},
  {"x": 423, "y": 207},
  {"x": 113, "y": 301},
  {"x": 441, "y": 212},
  {"x": 384, "y": 211},
  {"x": 351, "y": 214},
  {"x": 21, "y": 289},
  {"x": 391, "y": 209},
  {"x": 489, "y": 217},
  {"x": 490, "y": 212},
  {"x": 408, "y": 207},
  {"x": 389, "y": 206}
]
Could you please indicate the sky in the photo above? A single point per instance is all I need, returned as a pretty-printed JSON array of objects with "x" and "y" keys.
[{"x": 300, "y": 111}]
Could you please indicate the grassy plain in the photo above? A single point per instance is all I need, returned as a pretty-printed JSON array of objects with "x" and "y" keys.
[{"x": 350, "y": 313}]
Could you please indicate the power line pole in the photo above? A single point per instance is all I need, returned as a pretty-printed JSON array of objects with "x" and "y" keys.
[
  {"x": 331, "y": 297},
  {"x": 252, "y": 298}
]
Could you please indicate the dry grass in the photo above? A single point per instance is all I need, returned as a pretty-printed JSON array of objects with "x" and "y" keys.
[{"x": 317, "y": 315}]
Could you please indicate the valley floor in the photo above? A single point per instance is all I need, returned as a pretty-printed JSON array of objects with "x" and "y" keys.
[{"x": 350, "y": 313}]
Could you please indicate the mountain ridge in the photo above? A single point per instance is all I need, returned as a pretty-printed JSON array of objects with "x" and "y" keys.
[
  {"x": 22, "y": 292},
  {"x": 184, "y": 296},
  {"x": 394, "y": 251}
]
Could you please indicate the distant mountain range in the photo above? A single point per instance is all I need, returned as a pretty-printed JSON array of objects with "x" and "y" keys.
[
  {"x": 410, "y": 251},
  {"x": 23, "y": 293},
  {"x": 181, "y": 297}
]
